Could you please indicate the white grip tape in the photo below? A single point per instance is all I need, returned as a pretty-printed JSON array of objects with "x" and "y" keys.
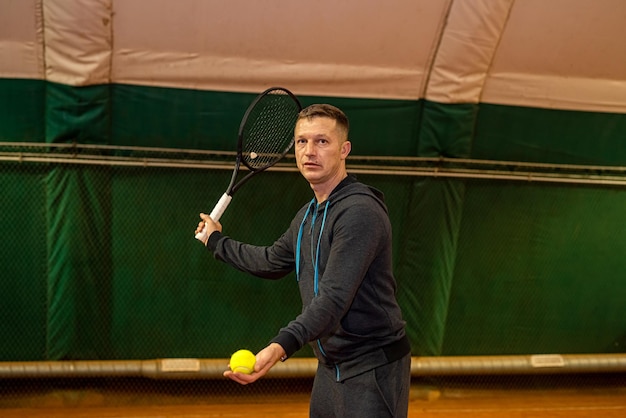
[
  {"x": 216, "y": 214},
  {"x": 221, "y": 206}
]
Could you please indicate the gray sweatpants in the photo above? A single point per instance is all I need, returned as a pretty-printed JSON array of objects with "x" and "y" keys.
[{"x": 380, "y": 393}]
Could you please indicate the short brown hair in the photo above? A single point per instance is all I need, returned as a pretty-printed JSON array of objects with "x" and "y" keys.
[{"x": 327, "y": 111}]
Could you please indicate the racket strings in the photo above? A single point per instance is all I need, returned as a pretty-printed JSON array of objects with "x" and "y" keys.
[{"x": 268, "y": 132}]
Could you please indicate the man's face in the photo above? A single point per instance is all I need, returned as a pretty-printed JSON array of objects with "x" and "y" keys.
[{"x": 321, "y": 149}]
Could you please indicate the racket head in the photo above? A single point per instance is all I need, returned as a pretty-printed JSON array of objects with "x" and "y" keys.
[{"x": 266, "y": 132}]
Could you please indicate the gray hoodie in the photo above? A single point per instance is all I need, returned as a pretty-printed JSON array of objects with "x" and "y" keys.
[{"x": 341, "y": 251}]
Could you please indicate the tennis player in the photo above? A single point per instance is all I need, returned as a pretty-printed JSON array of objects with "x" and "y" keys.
[{"x": 339, "y": 245}]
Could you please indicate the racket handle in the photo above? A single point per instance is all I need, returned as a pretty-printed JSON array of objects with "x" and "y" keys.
[
  {"x": 221, "y": 206},
  {"x": 216, "y": 214}
]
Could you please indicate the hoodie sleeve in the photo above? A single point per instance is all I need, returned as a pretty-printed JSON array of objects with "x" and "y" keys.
[{"x": 268, "y": 262}]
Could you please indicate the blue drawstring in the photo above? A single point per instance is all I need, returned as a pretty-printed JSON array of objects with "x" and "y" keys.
[
  {"x": 314, "y": 259},
  {"x": 314, "y": 256}
]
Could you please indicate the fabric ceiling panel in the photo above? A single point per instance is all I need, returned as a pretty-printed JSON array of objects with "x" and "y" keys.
[
  {"x": 351, "y": 48},
  {"x": 21, "y": 46},
  {"x": 78, "y": 41},
  {"x": 562, "y": 54},
  {"x": 467, "y": 47}
]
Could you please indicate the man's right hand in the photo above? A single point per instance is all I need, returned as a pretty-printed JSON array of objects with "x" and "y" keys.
[{"x": 211, "y": 227}]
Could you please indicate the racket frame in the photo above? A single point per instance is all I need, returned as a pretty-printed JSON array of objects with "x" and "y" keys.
[{"x": 226, "y": 198}]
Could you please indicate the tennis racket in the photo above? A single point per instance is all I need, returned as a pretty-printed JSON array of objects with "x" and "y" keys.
[{"x": 265, "y": 136}]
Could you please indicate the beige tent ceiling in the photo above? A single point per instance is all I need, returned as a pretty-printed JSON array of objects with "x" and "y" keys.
[{"x": 567, "y": 54}]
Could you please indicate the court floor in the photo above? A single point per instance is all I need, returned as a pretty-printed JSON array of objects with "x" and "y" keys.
[{"x": 582, "y": 397}]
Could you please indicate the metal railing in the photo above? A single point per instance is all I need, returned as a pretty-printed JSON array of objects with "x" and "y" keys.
[
  {"x": 193, "y": 368},
  {"x": 106, "y": 155}
]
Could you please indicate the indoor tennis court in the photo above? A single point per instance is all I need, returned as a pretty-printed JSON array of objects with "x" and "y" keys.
[
  {"x": 580, "y": 396},
  {"x": 494, "y": 129}
]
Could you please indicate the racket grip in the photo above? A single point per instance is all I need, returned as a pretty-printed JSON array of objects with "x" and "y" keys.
[{"x": 216, "y": 214}]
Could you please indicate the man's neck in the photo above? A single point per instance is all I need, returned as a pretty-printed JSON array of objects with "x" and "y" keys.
[{"x": 322, "y": 191}]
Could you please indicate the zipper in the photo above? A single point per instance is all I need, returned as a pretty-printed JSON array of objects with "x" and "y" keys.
[
  {"x": 299, "y": 240},
  {"x": 337, "y": 373}
]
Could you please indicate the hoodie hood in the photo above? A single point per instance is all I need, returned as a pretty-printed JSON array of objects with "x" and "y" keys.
[{"x": 341, "y": 191}]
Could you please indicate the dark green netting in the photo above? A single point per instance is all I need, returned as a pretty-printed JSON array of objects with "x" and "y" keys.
[
  {"x": 23, "y": 261},
  {"x": 482, "y": 267},
  {"x": 540, "y": 268},
  {"x": 168, "y": 288}
]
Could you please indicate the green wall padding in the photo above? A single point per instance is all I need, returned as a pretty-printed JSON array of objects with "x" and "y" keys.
[
  {"x": 427, "y": 257},
  {"x": 22, "y": 108},
  {"x": 178, "y": 118},
  {"x": 79, "y": 263},
  {"x": 379, "y": 127},
  {"x": 447, "y": 130},
  {"x": 78, "y": 114},
  {"x": 513, "y": 133}
]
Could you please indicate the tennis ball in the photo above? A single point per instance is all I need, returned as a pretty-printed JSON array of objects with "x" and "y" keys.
[{"x": 242, "y": 361}]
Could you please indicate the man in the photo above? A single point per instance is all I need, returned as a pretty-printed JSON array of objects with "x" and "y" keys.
[{"x": 339, "y": 244}]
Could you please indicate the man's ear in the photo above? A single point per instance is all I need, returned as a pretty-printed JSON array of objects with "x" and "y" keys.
[{"x": 346, "y": 147}]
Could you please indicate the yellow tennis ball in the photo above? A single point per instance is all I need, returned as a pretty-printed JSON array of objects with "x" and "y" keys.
[{"x": 242, "y": 361}]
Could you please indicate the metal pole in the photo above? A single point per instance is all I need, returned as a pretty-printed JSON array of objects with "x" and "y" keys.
[{"x": 192, "y": 368}]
